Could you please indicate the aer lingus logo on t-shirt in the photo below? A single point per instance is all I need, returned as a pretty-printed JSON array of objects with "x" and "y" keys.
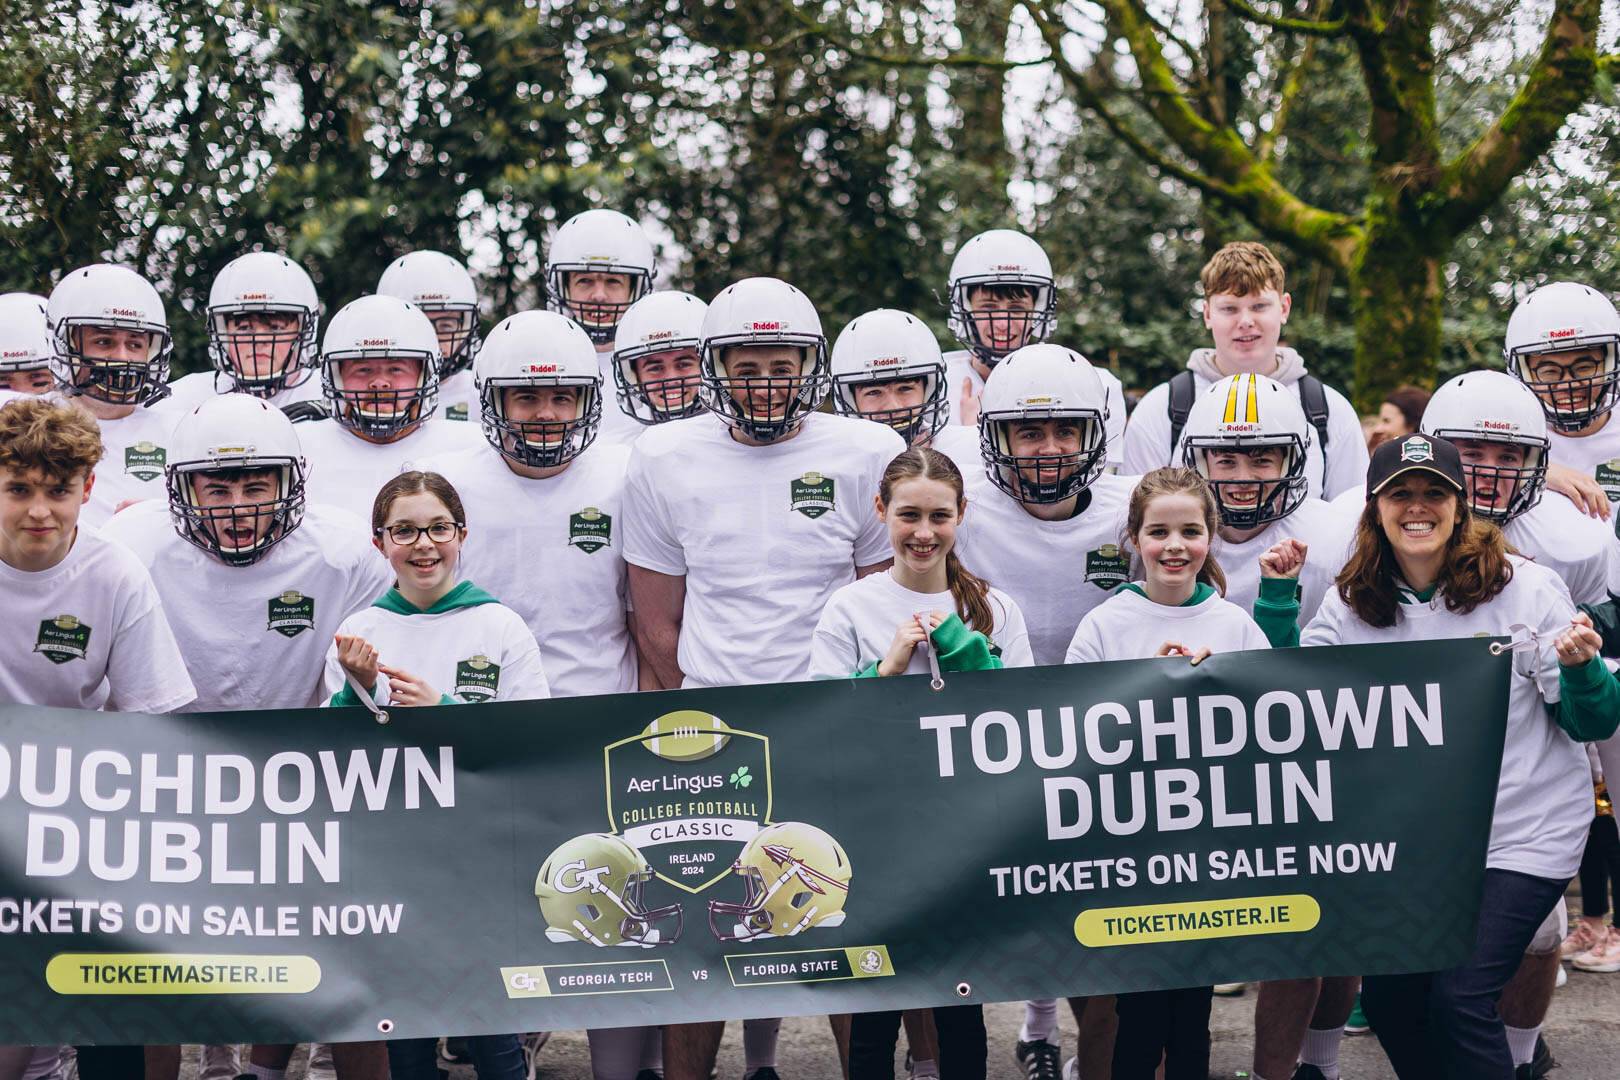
[
  {"x": 144, "y": 460},
  {"x": 811, "y": 494},
  {"x": 590, "y": 530},
  {"x": 62, "y": 639},
  {"x": 1608, "y": 477},
  {"x": 457, "y": 411},
  {"x": 477, "y": 679},
  {"x": 292, "y": 613},
  {"x": 1108, "y": 567}
]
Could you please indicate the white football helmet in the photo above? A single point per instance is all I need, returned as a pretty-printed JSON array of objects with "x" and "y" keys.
[
  {"x": 25, "y": 335},
  {"x": 886, "y": 346},
  {"x": 598, "y": 242},
  {"x": 440, "y": 286},
  {"x": 1040, "y": 383},
  {"x": 658, "y": 323},
  {"x": 1007, "y": 263},
  {"x": 376, "y": 328},
  {"x": 1492, "y": 406},
  {"x": 262, "y": 283},
  {"x": 763, "y": 311},
  {"x": 1242, "y": 413},
  {"x": 116, "y": 366},
  {"x": 538, "y": 349},
  {"x": 223, "y": 437},
  {"x": 1563, "y": 317}
]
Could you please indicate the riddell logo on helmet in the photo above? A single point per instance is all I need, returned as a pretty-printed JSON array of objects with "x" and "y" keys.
[
  {"x": 887, "y": 361},
  {"x": 123, "y": 312},
  {"x": 12, "y": 354},
  {"x": 660, "y": 335},
  {"x": 766, "y": 326},
  {"x": 429, "y": 297},
  {"x": 374, "y": 341},
  {"x": 541, "y": 369},
  {"x": 1495, "y": 425},
  {"x": 1009, "y": 268},
  {"x": 253, "y": 296},
  {"x": 1238, "y": 429},
  {"x": 1563, "y": 333}
]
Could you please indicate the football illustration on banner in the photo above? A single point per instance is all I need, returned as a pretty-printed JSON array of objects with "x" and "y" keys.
[
  {"x": 795, "y": 877},
  {"x": 687, "y": 735},
  {"x": 590, "y": 889}
]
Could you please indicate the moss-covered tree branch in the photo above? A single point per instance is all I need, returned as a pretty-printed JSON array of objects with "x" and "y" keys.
[{"x": 1313, "y": 27}]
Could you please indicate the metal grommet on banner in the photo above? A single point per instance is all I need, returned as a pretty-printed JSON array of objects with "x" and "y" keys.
[
  {"x": 964, "y": 989},
  {"x": 1531, "y": 640},
  {"x": 384, "y": 1026},
  {"x": 380, "y": 713},
  {"x": 382, "y": 716},
  {"x": 934, "y": 681}
]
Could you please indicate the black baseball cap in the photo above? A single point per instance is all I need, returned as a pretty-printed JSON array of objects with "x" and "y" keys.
[{"x": 1421, "y": 453}]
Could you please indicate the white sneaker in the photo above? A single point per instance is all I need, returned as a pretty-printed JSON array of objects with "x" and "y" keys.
[
  {"x": 1563, "y": 977},
  {"x": 220, "y": 1063},
  {"x": 1603, "y": 957},
  {"x": 532, "y": 1042},
  {"x": 320, "y": 1063},
  {"x": 1071, "y": 1069},
  {"x": 1230, "y": 989}
]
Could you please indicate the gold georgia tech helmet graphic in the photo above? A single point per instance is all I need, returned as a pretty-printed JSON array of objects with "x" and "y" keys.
[
  {"x": 590, "y": 889},
  {"x": 795, "y": 877}
]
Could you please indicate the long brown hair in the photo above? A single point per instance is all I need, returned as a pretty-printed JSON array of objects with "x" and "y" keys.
[
  {"x": 415, "y": 483},
  {"x": 1176, "y": 481},
  {"x": 971, "y": 593},
  {"x": 1475, "y": 570}
]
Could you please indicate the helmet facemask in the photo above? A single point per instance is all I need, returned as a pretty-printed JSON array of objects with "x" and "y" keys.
[
  {"x": 599, "y": 318},
  {"x": 376, "y": 413},
  {"x": 590, "y": 909},
  {"x": 1579, "y": 392},
  {"x": 786, "y": 398},
  {"x": 540, "y": 444},
  {"x": 458, "y": 346},
  {"x": 122, "y": 380},
  {"x": 914, "y": 423},
  {"x": 1043, "y": 479},
  {"x": 991, "y": 334},
  {"x": 1528, "y": 479},
  {"x": 654, "y": 401},
  {"x": 1251, "y": 502},
  {"x": 797, "y": 890},
  {"x": 292, "y": 353},
  {"x": 238, "y": 533}
]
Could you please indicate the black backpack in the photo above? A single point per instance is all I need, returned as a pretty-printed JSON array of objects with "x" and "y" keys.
[{"x": 1312, "y": 397}]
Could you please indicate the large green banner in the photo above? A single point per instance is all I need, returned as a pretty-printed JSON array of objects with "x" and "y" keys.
[{"x": 751, "y": 851}]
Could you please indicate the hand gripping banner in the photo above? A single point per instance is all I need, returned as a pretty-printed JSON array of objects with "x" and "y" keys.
[{"x": 751, "y": 851}]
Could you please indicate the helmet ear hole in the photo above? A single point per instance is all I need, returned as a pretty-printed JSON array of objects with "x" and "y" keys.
[
  {"x": 590, "y": 912},
  {"x": 801, "y": 898}
]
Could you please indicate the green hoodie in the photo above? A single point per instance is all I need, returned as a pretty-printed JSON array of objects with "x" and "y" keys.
[
  {"x": 959, "y": 649},
  {"x": 464, "y": 595}
]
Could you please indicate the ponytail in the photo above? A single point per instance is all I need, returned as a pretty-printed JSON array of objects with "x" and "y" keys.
[
  {"x": 971, "y": 592},
  {"x": 972, "y": 595}
]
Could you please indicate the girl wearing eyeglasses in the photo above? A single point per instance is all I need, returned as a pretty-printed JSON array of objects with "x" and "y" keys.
[{"x": 432, "y": 639}]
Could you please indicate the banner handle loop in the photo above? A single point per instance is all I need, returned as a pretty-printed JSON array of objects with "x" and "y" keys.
[
  {"x": 1531, "y": 640},
  {"x": 380, "y": 713}
]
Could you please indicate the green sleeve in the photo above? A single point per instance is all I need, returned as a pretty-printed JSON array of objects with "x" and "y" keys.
[
  {"x": 961, "y": 649},
  {"x": 345, "y": 698},
  {"x": 1276, "y": 609},
  {"x": 1606, "y": 621},
  {"x": 868, "y": 672},
  {"x": 446, "y": 699},
  {"x": 1589, "y": 701}
]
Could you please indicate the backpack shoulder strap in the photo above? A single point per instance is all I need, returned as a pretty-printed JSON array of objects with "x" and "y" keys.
[
  {"x": 1183, "y": 389},
  {"x": 1313, "y": 399}
]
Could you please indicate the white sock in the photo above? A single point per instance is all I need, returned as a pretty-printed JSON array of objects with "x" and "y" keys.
[
  {"x": 652, "y": 1050},
  {"x": 1321, "y": 1048},
  {"x": 1040, "y": 1021},
  {"x": 924, "y": 1070},
  {"x": 759, "y": 1045},
  {"x": 1522, "y": 1043},
  {"x": 266, "y": 1072}
]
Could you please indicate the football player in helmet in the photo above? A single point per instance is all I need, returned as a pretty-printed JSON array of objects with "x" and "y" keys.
[
  {"x": 1563, "y": 341},
  {"x": 887, "y": 367},
  {"x": 793, "y": 489},
  {"x": 551, "y": 494},
  {"x": 657, "y": 368},
  {"x": 110, "y": 355},
  {"x": 262, "y": 317},
  {"x": 600, "y": 262},
  {"x": 440, "y": 286},
  {"x": 380, "y": 377},
  {"x": 25, "y": 344}
]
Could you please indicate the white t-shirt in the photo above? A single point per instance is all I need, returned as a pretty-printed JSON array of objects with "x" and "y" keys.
[
  {"x": 255, "y": 637},
  {"x": 960, "y": 443},
  {"x": 458, "y": 400},
  {"x": 1597, "y": 455},
  {"x": 1147, "y": 440},
  {"x": 89, "y": 633},
  {"x": 1055, "y": 571},
  {"x": 553, "y": 551},
  {"x": 1581, "y": 550},
  {"x": 473, "y": 654},
  {"x": 859, "y": 622},
  {"x": 959, "y": 366},
  {"x": 1129, "y": 626},
  {"x": 190, "y": 391},
  {"x": 763, "y": 534},
  {"x": 1544, "y": 796},
  {"x": 1316, "y": 526},
  {"x": 347, "y": 471},
  {"x": 137, "y": 449},
  {"x": 618, "y": 427}
]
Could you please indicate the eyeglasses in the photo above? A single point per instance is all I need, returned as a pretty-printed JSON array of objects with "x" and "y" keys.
[
  {"x": 440, "y": 532},
  {"x": 1579, "y": 371}
]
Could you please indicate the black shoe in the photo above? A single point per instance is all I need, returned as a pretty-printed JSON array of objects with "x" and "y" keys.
[
  {"x": 1041, "y": 1060},
  {"x": 648, "y": 1074},
  {"x": 1307, "y": 1072},
  {"x": 1540, "y": 1064},
  {"x": 764, "y": 1072}
]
